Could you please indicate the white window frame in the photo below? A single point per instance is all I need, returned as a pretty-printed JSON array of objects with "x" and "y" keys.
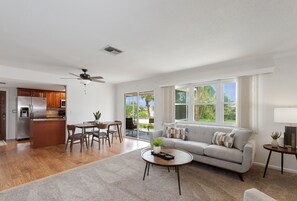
[
  {"x": 187, "y": 103},
  {"x": 219, "y": 102}
]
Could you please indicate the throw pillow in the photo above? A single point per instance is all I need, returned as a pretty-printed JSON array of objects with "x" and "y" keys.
[
  {"x": 169, "y": 132},
  {"x": 218, "y": 138},
  {"x": 167, "y": 125},
  {"x": 229, "y": 139},
  {"x": 241, "y": 137},
  {"x": 181, "y": 133}
]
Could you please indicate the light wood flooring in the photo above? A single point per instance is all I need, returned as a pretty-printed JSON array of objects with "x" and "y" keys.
[{"x": 19, "y": 163}]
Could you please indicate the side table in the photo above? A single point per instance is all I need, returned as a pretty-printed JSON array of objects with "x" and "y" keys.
[{"x": 281, "y": 150}]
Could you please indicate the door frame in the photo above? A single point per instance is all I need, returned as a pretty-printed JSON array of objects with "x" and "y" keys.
[
  {"x": 7, "y": 114},
  {"x": 137, "y": 93}
]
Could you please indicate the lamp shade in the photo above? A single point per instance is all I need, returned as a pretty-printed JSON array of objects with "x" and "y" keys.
[
  {"x": 85, "y": 82},
  {"x": 285, "y": 115}
]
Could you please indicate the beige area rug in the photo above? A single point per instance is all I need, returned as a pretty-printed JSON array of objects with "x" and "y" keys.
[
  {"x": 120, "y": 178},
  {"x": 2, "y": 143}
]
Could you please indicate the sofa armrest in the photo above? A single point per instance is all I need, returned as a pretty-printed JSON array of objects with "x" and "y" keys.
[
  {"x": 254, "y": 194},
  {"x": 154, "y": 135},
  {"x": 248, "y": 155}
]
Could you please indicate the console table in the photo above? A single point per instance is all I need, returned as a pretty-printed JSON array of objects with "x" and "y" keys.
[{"x": 281, "y": 150}]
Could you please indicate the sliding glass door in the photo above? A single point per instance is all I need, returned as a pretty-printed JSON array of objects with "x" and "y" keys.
[{"x": 139, "y": 108}]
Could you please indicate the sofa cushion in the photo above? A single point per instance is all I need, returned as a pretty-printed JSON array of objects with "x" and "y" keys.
[
  {"x": 170, "y": 142},
  {"x": 224, "y": 153},
  {"x": 191, "y": 146},
  {"x": 229, "y": 140},
  {"x": 241, "y": 137}
]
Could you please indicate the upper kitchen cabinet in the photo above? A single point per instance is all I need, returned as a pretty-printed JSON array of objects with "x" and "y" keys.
[
  {"x": 50, "y": 99},
  {"x": 63, "y": 95},
  {"x": 58, "y": 99},
  {"x": 24, "y": 92},
  {"x": 53, "y": 98},
  {"x": 37, "y": 93}
]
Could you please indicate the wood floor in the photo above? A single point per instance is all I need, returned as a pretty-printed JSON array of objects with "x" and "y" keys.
[{"x": 19, "y": 163}]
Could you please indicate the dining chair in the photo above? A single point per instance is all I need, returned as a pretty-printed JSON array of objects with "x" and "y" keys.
[
  {"x": 101, "y": 134},
  {"x": 113, "y": 131},
  {"x": 89, "y": 132},
  {"x": 75, "y": 138}
]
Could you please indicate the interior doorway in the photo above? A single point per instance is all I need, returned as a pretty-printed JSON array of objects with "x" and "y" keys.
[
  {"x": 139, "y": 109},
  {"x": 2, "y": 115}
]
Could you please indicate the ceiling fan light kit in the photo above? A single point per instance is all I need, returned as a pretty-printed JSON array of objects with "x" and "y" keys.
[{"x": 85, "y": 82}]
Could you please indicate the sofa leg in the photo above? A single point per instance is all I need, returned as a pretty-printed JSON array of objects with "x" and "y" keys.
[{"x": 240, "y": 177}]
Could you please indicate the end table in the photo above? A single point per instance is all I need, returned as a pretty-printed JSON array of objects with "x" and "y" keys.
[{"x": 281, "y": 150}]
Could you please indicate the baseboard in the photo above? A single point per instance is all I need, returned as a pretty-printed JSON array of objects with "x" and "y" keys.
[{"x": 276, "y": 167}]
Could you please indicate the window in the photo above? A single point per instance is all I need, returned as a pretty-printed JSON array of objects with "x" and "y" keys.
[
  {"x": 208, "y": 103},
  {"x": 205, "y": 103},
  {"x": 181, "y": 104},
  {"x": 229, "y": 102}
]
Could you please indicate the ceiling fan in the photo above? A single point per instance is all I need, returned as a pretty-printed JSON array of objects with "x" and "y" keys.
[{"x": 86, "y": 78}]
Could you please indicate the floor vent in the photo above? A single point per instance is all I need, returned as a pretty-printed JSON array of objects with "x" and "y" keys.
[{"x": 112, "y": 50}]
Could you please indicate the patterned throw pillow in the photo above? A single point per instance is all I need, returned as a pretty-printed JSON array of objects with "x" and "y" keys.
[
  {"x": 229, "y": 140},
  {"x": 169, "y": 132},
  {"x": 223, "y": 139},
  {"x": 218, "y": 138},
  {"x": 183, "y": 133}
]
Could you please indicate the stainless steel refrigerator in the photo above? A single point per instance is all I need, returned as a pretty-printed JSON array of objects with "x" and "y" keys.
[{"x": 28, "y": 108}]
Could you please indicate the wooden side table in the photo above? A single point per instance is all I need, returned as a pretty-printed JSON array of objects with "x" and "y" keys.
[{"x": 281, "y": 150}]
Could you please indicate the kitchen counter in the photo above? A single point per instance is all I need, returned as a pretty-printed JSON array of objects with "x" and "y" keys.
[{"x": 47, "y": 132}]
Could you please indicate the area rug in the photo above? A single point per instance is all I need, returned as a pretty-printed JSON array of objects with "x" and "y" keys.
[
  {"x": 2, "y": 143},
  {"x": 120, "y": 178}
]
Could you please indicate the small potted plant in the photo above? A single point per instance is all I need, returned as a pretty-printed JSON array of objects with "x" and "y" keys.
[
  {"x": 97, "y": 116},
  {"x": 275, "y": 135},
  {"x": 157, "y": 143}
]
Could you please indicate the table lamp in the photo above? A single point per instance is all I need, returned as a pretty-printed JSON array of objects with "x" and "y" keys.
[{"x": 287, "y": 116}]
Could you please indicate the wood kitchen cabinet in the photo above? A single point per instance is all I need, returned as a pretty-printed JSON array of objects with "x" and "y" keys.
[
  {"x": 58, "y": 99},
  {"x": 24, "y": 92},
  {"x": 37, "y": 93},
  {"x": 53, "y": 98},
  {"x": 50, "y": 99},
  {"x": 63, "y": 95}
]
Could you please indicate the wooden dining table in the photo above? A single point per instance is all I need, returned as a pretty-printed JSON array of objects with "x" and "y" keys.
[{"x": 110, "y": 124}]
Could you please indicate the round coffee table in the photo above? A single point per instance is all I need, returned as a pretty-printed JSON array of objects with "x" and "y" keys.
[{"x": 180, "y": 158}]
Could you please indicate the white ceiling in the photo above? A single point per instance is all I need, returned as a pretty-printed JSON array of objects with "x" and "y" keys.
[{"x": 157, "y": 36}]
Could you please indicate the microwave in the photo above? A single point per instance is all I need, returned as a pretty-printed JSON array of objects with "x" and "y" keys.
[{"x": 63, "y": 103}]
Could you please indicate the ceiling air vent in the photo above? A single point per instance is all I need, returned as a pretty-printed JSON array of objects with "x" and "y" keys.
[{"x": 112, "y": 50}]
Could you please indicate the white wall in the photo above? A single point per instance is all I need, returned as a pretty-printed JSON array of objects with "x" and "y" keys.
[
  {"x": 276, "y": 89},
  {"x": 80, "y": 106}
]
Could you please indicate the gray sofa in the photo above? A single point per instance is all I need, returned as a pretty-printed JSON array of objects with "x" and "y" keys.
[{"x": 239, "y": 158}]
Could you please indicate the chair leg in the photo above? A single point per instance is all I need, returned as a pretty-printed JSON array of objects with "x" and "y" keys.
[
  {"x": 66, "y": 143},
  {"x": 99, "y": 142},
  {"x": 92, "y": 140},
  {"x": 81, "y": 144},
  {"x": 108, "y": 140},
  {"x": 71, "y": 145},
  {"x": 86, "y": 140}
]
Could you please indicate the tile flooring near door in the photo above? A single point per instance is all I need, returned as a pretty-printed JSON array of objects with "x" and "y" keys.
[{"x": 22, "y": 164}]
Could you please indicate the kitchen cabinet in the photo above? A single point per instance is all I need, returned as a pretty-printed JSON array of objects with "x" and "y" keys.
[
  {"x": 63, "y": 95},
  {"x": 37, "y": 93},
  {"x": 50, "y": 99},
  {"x": 24, "y": 92},
  {"x": 58, "y": 99},
  {"x": 53, "y": 98}
]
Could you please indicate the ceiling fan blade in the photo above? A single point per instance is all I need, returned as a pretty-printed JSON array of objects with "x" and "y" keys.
[
  {"x": 101, "y": 81},
  {"x": 68, "y": 78},
  {"x": 96, "y": 77},
  {"x": 74, "y": 74}
]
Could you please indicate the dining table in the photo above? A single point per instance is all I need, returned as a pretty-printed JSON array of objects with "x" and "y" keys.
[{"x": 91, "y": 124}]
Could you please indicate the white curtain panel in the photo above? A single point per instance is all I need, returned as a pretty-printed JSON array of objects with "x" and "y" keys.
[
  {"x": 247, "y": 112},
  {"x": 168, "y": 104}
]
